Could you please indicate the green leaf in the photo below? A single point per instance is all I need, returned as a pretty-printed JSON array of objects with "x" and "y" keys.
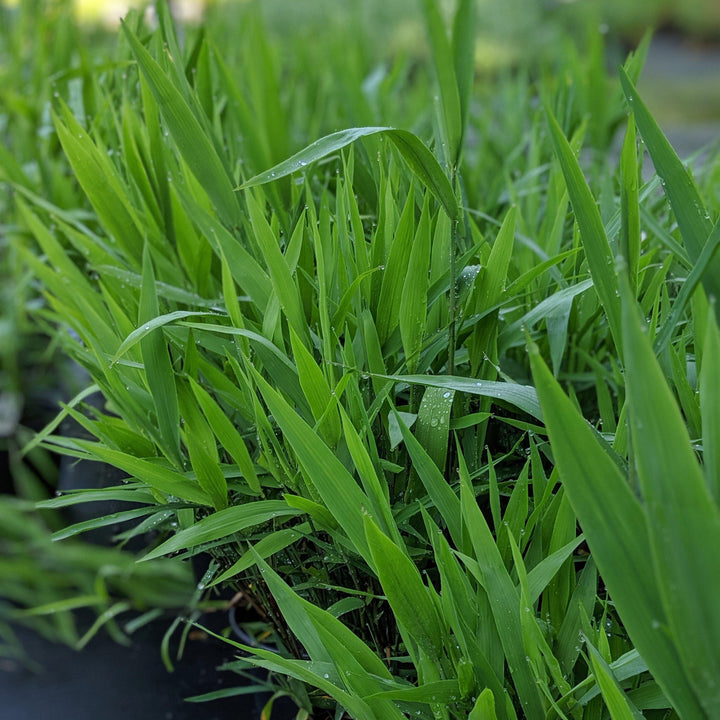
[
  {"x": 281, "y": 278},
  {"x": 228, "y": 436},
  {"x": 502, "y": 595},
  {"x": 149, "y": 326},
  {"x": 157, "y": 476},
  {"x": 406, "y": 593},
  {"x": 194, "y": 145},
  {"x": 206, "y": 469},
  {"x": 337, "y": 488},
  {"x": 440, "y": 691},
  {"x": 463, "y": 46},
  {"x": 413, "y": 300},
  {"x": 224, "y": 524},
  {"x": 444, "y": 64},
  {"x": 699, "y": 271},
  {"x": 272, "y": 543},
  {"x": 159, "y": 373},
  {"x": 616, "y": 527},
  {"x": 692, "y": 216},
  {"x": 592, "y": 233},
  {"x": 420, "y": 160},
  {"x": 395, "y": 271},
  {"x": 316, "y": 389},
  {"x": 112, "y": 519},
  {"x": 615, "y": 699},
  {"x": 710, "y": 406},
  {"x": 101, "y": 183},
  {"x": 484, "y": 708},
  {"x": 433, "y": 423},
  {"x": 629, "y": 204},
  {"x": 437, "y": 487},
  {"x": 521, "y": 396},
  {"x": 683, "y": 520},
  {"x": 539, "y": 577}
]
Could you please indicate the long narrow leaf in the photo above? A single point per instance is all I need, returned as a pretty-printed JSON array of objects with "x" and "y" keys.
[{"x": 420, "y": 160}]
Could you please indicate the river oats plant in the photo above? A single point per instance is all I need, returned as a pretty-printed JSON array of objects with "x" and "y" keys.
[{"x": 315, "y": 363}]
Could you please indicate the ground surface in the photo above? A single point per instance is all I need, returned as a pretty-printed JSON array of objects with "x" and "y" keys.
[{"x": 112, "y": 682}]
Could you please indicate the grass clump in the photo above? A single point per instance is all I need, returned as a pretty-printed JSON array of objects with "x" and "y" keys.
[{"x": 308, "y": 311}]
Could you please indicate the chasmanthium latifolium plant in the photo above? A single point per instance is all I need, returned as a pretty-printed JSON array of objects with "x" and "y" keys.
[{"x": 315, "y": 365}]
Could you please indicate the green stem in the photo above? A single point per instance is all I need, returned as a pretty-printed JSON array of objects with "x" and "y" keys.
[{"x": 453, "y": 280}]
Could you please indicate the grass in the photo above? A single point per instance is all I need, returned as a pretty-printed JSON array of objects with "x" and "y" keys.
[{"x": 413, "y": 357}]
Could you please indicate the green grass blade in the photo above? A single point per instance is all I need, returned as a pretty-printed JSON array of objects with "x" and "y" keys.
[
  {"x": 595, "y": 242},
  {"x": 159, "y": 372},
  {"x": 629, "y": 204},
  {"x": 617, "y": 702},
  {"x": 684, "y": 522},
  {"x": 484, "y": 708},
  {"x": 157, "y": 476},
  {"x": 433, "y": 424},
  {"x": 406, "y": 593},
  {"x": 539, "y": 577},
  {"x": 149, "y": 326},
  {"x": 223, "y": 524},
  {"x": 191, "y": 140},
  {"x": 100, "y": 181},
  {"x": 503, "y": 596},
  {"x": 228, "y": 436},
  {"x": 616, "y": 527},
  {"x": 420, "y": 160},
  {"x": 690, "y": 211},
  {"x": 112, "y": 519},
  {"x": 393, "y": 277},
  {"x": 699, "y": 272},
  {"x": 376, "y": 491},
  {"x": 317, "y": 391},
  {"x": 272, "y": 543},
  {"x": 710, "y": 406},
  {"x": 337, "y": 488},
  {"x": 413, "y": 299},
  {"x": 308, "y": 672},
  {"x": 435, "y": 483},
  {"x": 463, "y": 46},
  {"x": 280, "y": 275},
  {"x": 206, "y": 468},
  {"x": 444, "y": 64},
  {"x": 521, "y": 396}
]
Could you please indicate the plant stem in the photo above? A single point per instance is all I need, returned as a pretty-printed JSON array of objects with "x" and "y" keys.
[{"x": 453, "y": 281}]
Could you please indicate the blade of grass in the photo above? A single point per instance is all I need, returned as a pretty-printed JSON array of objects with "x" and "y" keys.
[
  {"x": 684, "y": 523},
  {"x": 191, "y": 140},
  {"x": 223, "y": 524},
  {"x": 406, "y": 593},
  {"x": 159, "y": 477},
  {"x": 503, "y": 596},
  {"x": 159, "y": 371},
  {"x": 629, "y": 204},
  {"x": 692, "y": 216},
  {"x": 521, "y": 396},
  {"x": 443, "y": 62},
  {"x": 592, "y": 233},
  {"x": 412, "y": 312},
  {"x": 337, "y": 488},
  {"x": 617, "y": 532},
  {"x": 710, "y": 406},
  {"x": 420, "y": 160}
]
